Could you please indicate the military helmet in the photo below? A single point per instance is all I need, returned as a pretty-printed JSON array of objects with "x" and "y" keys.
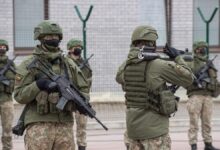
[
  {"x": 4, "y": 42},
  {"x": 199, "y": 44},
  {"x": 73, "y": 43},
  {"x": 144, "y": 33},
  {"x": 205, "y": 52},
  {"x": 47, "y": 27}
]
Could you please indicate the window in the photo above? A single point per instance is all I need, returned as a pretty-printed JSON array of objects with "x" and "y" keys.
[
  {"x": 154, "y": 13},
  {"x": 27, "y": 14},
  {"x": 199, "y": 26}
]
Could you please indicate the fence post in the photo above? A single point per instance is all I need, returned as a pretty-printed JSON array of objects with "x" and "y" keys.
[
  {"x": 84, "y": 25},
  {"x": 207, "y": 22}
]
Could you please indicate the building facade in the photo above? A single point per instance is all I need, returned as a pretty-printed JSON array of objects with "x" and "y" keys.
[{"x": 109, "y": 29}]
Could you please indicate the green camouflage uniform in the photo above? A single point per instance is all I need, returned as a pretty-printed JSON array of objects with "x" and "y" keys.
[
  {"x": 147, "y": 126},
  {"x": 47, "y": 128},
  {"x": 81, "y": 120},
  {"x": 200, "y": 104},
  {"x": 6, "y": 103}
]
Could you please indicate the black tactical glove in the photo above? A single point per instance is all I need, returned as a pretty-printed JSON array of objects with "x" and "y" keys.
[
  {"x": 172, "y": 52},
  {"x": 47, "y": 85}
]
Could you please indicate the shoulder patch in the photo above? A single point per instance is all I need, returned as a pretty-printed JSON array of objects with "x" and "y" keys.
[{"x": 22, "y": 68}]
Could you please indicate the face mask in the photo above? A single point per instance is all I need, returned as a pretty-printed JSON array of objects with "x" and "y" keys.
[
  {"x": 77, "y": 51},
  {"x": 202, "y": 53},
  {"x": 52, "y": 43},
  {"x": 2, "y": 51}
]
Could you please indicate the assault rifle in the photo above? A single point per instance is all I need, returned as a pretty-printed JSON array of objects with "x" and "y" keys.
[
  {"x": 202, "y": 74},
  {"x": 150, "y": 54},
  {"x": 8, "y": 66},
  {"x": 68, "y": 91},
  {"x": 85, "y": 62}
]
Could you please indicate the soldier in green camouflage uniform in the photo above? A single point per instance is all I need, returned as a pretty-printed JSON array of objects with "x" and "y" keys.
[
  {"x": 6, "y": 103},
  {"x": 199, "y": 104},
  {"x": 47, "y": 128},
  {"x": 149, "y": 102},
  {"x": 75, "y": 48}
]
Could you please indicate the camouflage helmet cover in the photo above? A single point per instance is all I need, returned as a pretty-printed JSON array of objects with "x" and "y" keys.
[
  {"x": 199, "y": 44},
  {"x": 4, "y": 42},
  {"x": 47, "y": 27},
  {"x": 73, "y": 43},
  {"x": 144, "y": 33}
]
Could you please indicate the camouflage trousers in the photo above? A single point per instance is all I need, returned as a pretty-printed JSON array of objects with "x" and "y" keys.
[
  {"x": 81, "y": 123},
  {"x": 199, "y": 106},
  {"x": 160, "y": 143},
  {"x": 49, "y": 136},
  {"x": 7, "y": 115},
  {"x": 126, "y": 139}
]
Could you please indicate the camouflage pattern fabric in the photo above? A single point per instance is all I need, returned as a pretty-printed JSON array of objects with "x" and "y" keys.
[
  {"x": 159, "y": 143},
  {"x": 200, "y": 106},
  {"x": 49, "y": 136},
  {"x": 127, "y": 142},
  {"x": 81, "y": 122},
  {"x": 7, "y": 115}
]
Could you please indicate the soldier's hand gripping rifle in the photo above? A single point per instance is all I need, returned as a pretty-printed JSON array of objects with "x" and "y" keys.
[
  {"x": 85, "y": 62},
  {"x": 8, "y": 66},
  {"x": 68, "y": 91},
  {"x": 202, "y": 74}
]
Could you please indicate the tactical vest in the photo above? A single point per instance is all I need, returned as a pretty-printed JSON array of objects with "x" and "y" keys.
[
  {"x": 46, "y": 102},
  {"x": 138, "y": 95},
  {"x": 135, "y": 84},
  {"x": 87, "y": 72}
]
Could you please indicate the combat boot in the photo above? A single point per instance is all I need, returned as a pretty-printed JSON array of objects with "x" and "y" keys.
[
  {"x": 81, "y": 148},
  {"x": 194, "y": 147},
  {"x": 127, "y": 146},
  {"x": 208, "y": 146}
]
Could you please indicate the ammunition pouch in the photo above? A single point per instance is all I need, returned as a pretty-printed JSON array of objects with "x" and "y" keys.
[
  {"x": 168, "y": 103},
  {"x": 214, "y": 87},
  {"x": 42, "y": 103},
  {"x": 216, "y": 91},
  {"x": 53, "y": 100},
  {"x": 46, "y": 103},
  {"x": 165, "y": 102}
]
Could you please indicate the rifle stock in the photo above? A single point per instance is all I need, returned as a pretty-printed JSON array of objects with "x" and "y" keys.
[{"x": 19, "y": 128}]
